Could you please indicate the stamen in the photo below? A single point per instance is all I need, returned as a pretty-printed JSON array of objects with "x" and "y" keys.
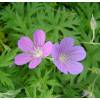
[
  {"x": 63, "y": 58},
  {"x": 37, "y": 53}
]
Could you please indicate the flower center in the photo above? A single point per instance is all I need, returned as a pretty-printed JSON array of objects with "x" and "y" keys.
[
  {"x": 37, "y": 53},
  {"x": 62, "y": 58}
]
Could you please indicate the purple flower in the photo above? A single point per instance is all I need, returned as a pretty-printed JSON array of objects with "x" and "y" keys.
[
  {"x": 66, "y": 56},
  {"x": 33, "y": 51}
]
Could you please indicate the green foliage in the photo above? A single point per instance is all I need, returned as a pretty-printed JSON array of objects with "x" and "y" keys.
[
  {"x": 9, "y": 94},
  {"x": 5, "y": 80},
  {"x": 59, "y": 20},
  {"x": 6, "y": 58}
]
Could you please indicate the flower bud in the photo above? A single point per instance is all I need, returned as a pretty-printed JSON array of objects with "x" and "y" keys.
[{"x": 93, "y": 23}]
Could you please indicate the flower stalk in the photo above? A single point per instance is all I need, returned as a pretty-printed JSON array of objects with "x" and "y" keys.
[
  {"x": 93, "y": 27},
  {"x": 93, "y": 38}
]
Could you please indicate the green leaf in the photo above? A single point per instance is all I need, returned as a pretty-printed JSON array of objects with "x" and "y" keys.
[
  {"x": 6, "y": 59},
  {"x": 10, "y": 93}
]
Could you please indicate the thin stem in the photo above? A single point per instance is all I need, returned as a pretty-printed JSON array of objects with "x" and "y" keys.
[
  {"x": 49, "y": 58},
  {"x": 91, "y": 43},
  {"x": 93, "y": 84},
  {"x": 93, "y": 38}
]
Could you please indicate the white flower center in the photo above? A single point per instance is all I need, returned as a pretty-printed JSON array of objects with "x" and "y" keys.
[
  {"x": 38, "y": 53},
  {"x": 62, "y": 58}
]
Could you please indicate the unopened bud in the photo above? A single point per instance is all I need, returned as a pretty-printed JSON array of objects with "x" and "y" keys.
[{"x": 93, "y": 23}]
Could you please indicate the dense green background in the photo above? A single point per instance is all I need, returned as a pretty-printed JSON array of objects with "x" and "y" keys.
[{"x": 59, "y": 20}]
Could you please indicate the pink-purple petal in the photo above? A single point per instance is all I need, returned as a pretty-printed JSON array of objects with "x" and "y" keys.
[
  {"x": 25, "y": 44},
  {"x": 55, "y": 51},
  {"x": 23, "y": 58},
  {"x": 67, "y": 42},
  {"x": 47, "y": 49},
  {"x": 71, "y": 53},
  {"x": 39, "y": 38},
  {"x": 77, "y": 54},
  {"x": 74, "y": 67},
  {"x": 61, "y": 67},
  {"x": 34, "y": 63}
]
